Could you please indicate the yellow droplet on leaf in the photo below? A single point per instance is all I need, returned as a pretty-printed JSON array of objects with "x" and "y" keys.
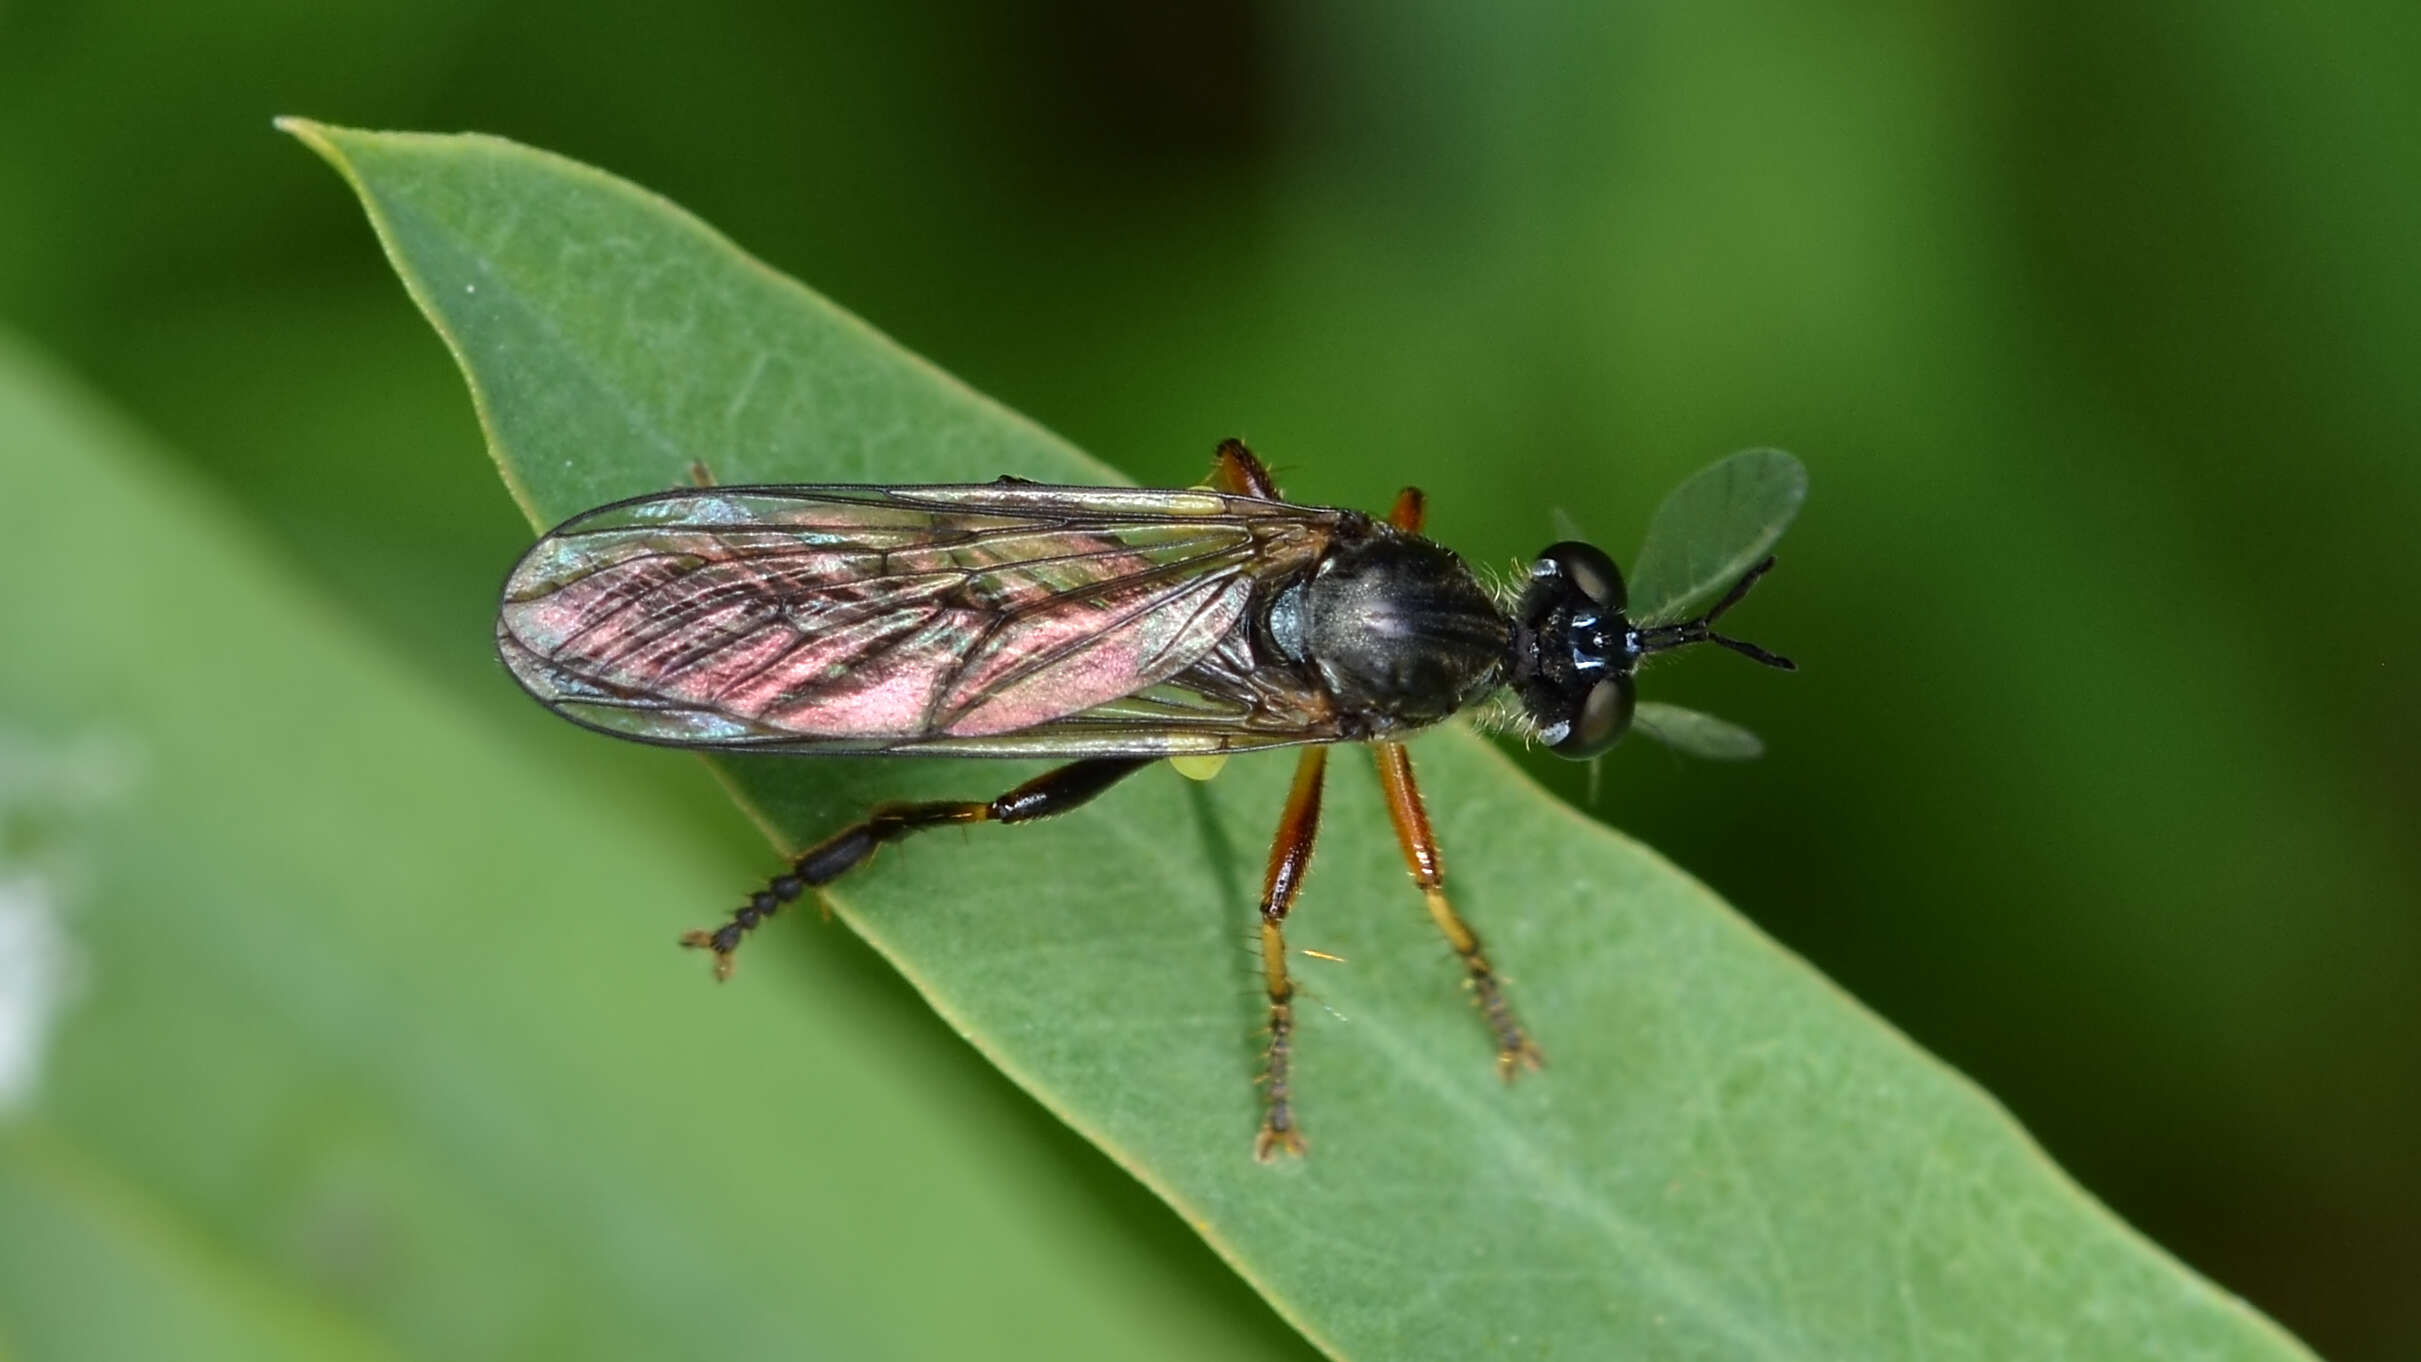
[{"x": 1199, "y": 768}]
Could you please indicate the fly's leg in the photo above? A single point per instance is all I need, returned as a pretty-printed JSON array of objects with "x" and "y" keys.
[
  {"x": 1053, "y": 792},
  {"x": 1237, "y": 469},
  {"x": 1289, "y": 858},
  {"x": 1514, "y": 1050}
]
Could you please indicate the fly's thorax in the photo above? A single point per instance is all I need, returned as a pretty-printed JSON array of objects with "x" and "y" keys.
[{"x": 1398, "y": 629}]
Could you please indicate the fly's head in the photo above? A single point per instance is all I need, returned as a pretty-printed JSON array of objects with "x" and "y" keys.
[
  {"x": 1572, "y": 651},
  {"x": 1575, "y": 650}
]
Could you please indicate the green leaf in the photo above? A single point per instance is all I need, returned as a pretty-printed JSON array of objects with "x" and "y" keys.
[
  {"x": 1725, "y": 1157},
  {"x": 1696, "y": 734},
  {"x": 1712, "y": 528},
  {"x": 367, "y": 1045}
]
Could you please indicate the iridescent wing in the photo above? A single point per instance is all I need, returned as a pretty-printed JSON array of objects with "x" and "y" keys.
[
  {"x": 1711, "y": 529},
  {"x": 989, "y": 619}
]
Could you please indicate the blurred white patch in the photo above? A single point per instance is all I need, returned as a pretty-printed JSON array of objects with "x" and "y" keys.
[
  {"x": 51, "y": 793},
  {"x": 37, "y": 972}
]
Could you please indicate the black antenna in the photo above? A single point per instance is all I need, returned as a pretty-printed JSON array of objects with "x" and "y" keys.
[{"x": 1701, "y": 630}]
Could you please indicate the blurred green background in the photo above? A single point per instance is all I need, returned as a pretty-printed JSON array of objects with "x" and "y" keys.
[{"x": 2098, "y": 327}]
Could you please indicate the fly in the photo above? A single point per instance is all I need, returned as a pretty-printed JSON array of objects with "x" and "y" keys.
[{"x": 1117, "y": 627}]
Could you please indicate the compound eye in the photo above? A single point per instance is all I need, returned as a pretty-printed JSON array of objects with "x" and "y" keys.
[
  {"x": 1587, "y": 567},
  {"x": 1604, "y": 713}
]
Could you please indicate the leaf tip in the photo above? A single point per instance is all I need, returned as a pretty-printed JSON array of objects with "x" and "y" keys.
[{"x": 318, "y": 136}]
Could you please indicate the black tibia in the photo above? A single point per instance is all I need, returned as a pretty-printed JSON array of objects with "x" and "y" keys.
[
  {"x": 1514, "y": 1052},
  {"x": 1289, "y": 858},
  {"x": 1236, "y": 469},
  {"x": 1053, "y": 792}
]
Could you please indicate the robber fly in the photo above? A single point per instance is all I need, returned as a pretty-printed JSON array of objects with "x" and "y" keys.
[{"x": 1114, "y": 626}]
